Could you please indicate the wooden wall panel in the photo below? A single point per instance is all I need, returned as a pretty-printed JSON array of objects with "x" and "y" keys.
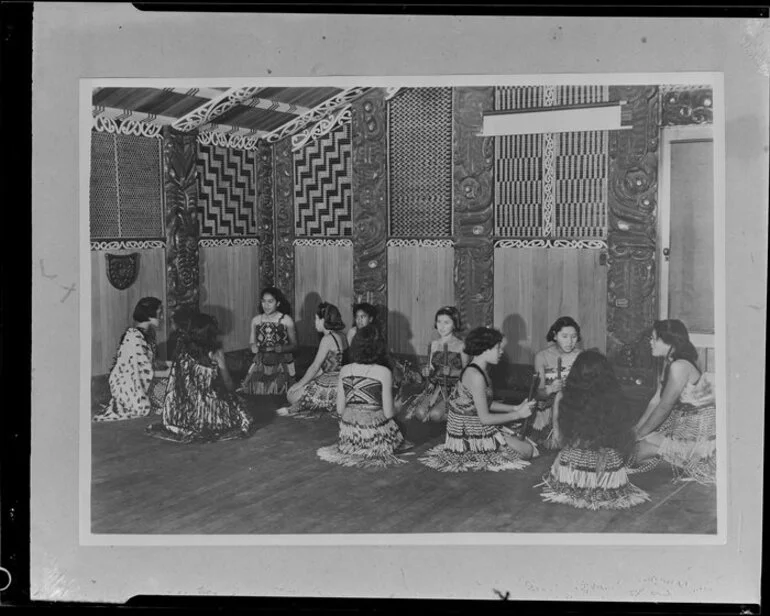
[
  {"x": 322, "y": 273},
  {"x": 420, "y": 281},
  {"x": 535, "y": 286},
  {"x": 706, "y": 359},
  {"x": 112, "y": 309},
  {"x": 229, "y": 290}
]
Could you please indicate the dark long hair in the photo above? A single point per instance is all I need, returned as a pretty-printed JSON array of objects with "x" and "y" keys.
[
  {"x": 282, "y": 304},
  {"x": 368, "y": 347},
  {"x": 453, "y": 313},
  {"x": 331, "y": 316},
  {"x": 593, "y": 412},
  {"x": 201, "y": 337},
  {"x": 560, "y": 324},
  {"x": 673, "y": 332},
  {"x": 481, "y": 339}
]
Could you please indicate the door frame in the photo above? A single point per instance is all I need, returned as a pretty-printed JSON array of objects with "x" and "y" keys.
[{"x": 668, "y": 136}]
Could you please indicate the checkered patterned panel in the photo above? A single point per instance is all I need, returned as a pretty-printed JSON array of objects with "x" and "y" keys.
[
  {"x": 103, "y": 198},
  {"x": 421, "y": 163},
  {"x": 518, "y": 169},
  {"x": 323, "y": 181},
  {"x": 581, "y": 185},
  {"x": 227, "y": 192},
  {"x": 140, "y": 187},
  {"x": 579, "y": 166}
]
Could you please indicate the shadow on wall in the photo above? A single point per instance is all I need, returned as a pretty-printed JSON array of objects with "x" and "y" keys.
[
  {"x": 400, "y": 337},
  {"x": 304, "y": 320},
  {"x": 513, "y": 371}
]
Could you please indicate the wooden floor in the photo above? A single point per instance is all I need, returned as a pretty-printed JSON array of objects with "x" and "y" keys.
[{"x": 274, "y": 483}]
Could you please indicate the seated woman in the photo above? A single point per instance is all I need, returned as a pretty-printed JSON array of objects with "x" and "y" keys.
[
  {"x": 679, "y": 424},
  {"x": 364, "y": 314},
  {"x": 446, "y": 361},
  {"x": 137, "y": 380},
  {"x": 316, "y": 393},
  {"x": 272, "y": 340},
  {"x": 368, "y": 437},
  {"x": 590, "y": 472},
  {"x": 553, "y": 364},
  {"x": 200, "y": 404},
  {"x": 474, "y": 439}
]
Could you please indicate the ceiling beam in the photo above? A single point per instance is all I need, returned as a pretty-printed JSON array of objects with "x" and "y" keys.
[
  {"x": 317, "y": 113},
  {"x": 121, "y": 115},
  {"x": 273, "y": 105},
  {"x": 214, "y": 108}
]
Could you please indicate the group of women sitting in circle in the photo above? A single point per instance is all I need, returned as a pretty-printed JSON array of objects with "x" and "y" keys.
[{"x": 579, "y": 408}]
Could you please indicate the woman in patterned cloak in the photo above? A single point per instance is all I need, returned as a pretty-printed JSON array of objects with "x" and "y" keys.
[
  {"x": 368, "y": 436},
  {"x": 200, "y": 404},
  {"x": 273, "y": 340},
  {"x": 446, "y": 361},
  {"x": 679, "y": 424},
  {"x": 137, "y": 379},
  {"x": 316, "y": 393},
  {"x": 591, "y": 471},
  {"x": 476, "y": 439}
]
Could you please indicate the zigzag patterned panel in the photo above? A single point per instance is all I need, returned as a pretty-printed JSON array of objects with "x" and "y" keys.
[
  {"x": 126, "y": 187},
  {"x": 578, "y": 168},
  {"x": 421, "y": 163},
  {"x": 227, "y": 184},
  {"x": 323, "y": 186}
]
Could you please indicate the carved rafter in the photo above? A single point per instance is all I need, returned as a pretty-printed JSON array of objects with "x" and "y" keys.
[
  {"x": 273, "y": 105},
  {"x": 317, "y": 113},
  {"x": 205, "y": 114},
  {"x": 324, "y": 127}
]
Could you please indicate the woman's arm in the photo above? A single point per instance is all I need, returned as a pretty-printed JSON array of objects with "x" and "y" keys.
[
  {"x": 477, "y": 385},
  {"x": 521, "y": 411},
  {"x": 253, "y": 334},
  {"x": 650, "y": 408},
  {"x": 351, "y": 335},
  {"x": 542, "y": 390},
  {"x": 219, "y": 357},
  {"x": 341, "y": 391},
  {"x": 291, "y": 330},
  {"x": 387, "y": 392},
  {"x": 312, "y": 371},
  {"x": 678, "y": 375}
]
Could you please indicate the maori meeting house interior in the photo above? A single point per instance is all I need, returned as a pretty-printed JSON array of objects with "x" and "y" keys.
[{"x": 515, "y": 205}]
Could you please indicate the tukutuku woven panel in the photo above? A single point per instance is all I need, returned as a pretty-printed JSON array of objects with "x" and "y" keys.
[
  {"x": 103, "y": 198},
  {"x": 126, "y": 198},
  {"x": 576, "y": 168},
  {"x": 227, "y": 182},
  {"x": 140, "y": 189},
  {"x": 323, "y": 181},
  {"x": 420, "y": 170}
]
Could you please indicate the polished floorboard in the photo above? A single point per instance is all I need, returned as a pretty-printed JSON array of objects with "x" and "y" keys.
[{"x": 273, "y": 483}]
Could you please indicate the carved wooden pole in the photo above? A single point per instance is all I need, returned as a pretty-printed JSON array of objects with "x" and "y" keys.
[
  {"x": 181, "y": 188},
  {"x": 369, "y": 203},
  {"x": 284, "y": 219},
  {"x": 473, "y": 163},
  {"x": 632, "y": 229},
  {"x": 266, "y": 215}
]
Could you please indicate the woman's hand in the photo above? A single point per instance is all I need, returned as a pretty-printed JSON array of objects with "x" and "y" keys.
[
  {"x": 554, "y": 387},
  {"x": 426, "y": 371},
  {"x": 525, "y": 409},
  {"x": 219, "y": 357}
]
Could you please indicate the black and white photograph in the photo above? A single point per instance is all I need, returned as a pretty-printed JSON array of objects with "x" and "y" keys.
[
  {"x": 407, "y": 306},
  {"x": 338, "y": 308}
]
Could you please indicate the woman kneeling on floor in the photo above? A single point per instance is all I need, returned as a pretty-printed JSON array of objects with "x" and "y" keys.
[
  {"x": 475, "y": 438},
  {"x": 596, "y": 426},
  {"x": 368, "y": 437},
  {"x": 199, "y": 404}
]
